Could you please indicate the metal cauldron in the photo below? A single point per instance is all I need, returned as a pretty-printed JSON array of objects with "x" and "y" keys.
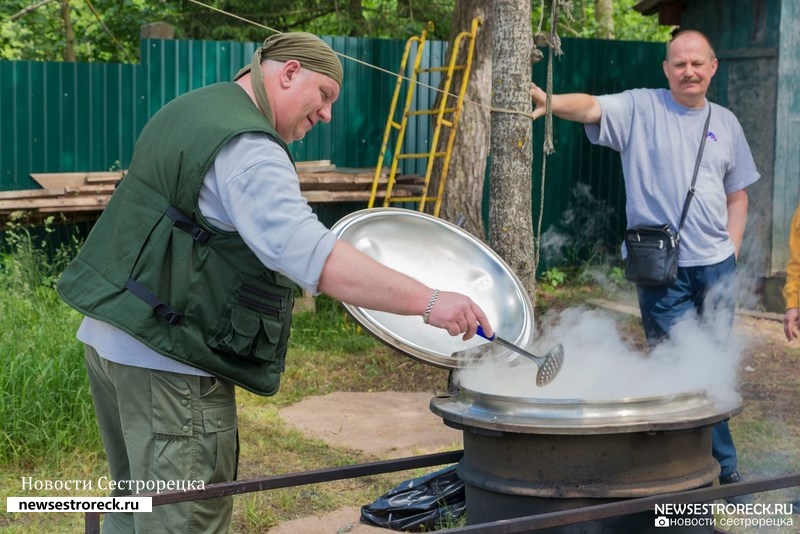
[{"x": 524, "y": 456}]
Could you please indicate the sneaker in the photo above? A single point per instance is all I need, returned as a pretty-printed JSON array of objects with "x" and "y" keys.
[{"x": 732, "y": 478}]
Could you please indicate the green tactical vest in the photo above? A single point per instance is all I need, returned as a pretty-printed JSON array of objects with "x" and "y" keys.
[{"x": 155, "y": 268}]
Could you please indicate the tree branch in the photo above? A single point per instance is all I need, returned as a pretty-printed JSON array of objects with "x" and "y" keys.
[
  {"x": 25, "y": 11},
  {"x": 105, "y": 28}
]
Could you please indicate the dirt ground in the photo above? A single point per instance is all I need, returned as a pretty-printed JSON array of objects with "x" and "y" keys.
[
  {"x": 393, "y": 425},
  {"x": 383, "y": 424},
  {"x": 771, "y": 370}
]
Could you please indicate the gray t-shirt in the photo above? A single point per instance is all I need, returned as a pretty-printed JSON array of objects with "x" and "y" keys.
[
  {"x": 658, "y": 140},
  {"x": 251, "y": 188}
]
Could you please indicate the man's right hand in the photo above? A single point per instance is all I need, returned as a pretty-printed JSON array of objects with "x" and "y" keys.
[
  {"x": 539, "y": 99},
  {"x": 458, "y": 314},
  {"x": 578, "y": 107}
]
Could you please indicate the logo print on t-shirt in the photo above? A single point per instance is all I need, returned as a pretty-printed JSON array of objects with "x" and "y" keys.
[{"x": 711, "y": 137}]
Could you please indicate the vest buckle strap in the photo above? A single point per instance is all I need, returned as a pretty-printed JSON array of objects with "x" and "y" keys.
[
  {"x": 182, "y": 222},
  {"x": 162, "y": 310},
  {"x": 171, "y": 316}
]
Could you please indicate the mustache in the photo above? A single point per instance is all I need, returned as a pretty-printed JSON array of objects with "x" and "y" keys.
[{"x": 690, "y": 79}]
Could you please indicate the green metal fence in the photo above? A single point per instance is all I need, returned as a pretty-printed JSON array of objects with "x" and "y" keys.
[
  {"x": 69, "y": 117},
  {"x": 584, "y": 195}
]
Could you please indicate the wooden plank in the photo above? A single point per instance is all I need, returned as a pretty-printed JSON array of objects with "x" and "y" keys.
[
  {"x": 322, "y": 165},
  {"x": 409, "y": 179},
  {"x": 314, "y": 163},
  {"x": 350, "y": 196},
  {"x": 335, "y": 196},
  {"x": 67, "y": 179},
  {"x": 90, "y": 191},
  {"x": 332, "y": 181},
  {"x": 32, "y": 193},
  {"x": 98, "y": 189},
  {"x": 36, "y": 203},
  {"x": 104, "y": 178},
  {"x": 59, "y": 179},
  {"x": 91, "y": 201},
  {"x": 72, "y": 209}
]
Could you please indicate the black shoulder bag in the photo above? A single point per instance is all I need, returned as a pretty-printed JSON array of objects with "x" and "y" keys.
[{"x": 653, "y": 250}]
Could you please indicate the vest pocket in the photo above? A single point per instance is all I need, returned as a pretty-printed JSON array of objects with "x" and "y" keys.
[
  {"x": 256, "y": 323},
  {"x": 244, "y": 332}
]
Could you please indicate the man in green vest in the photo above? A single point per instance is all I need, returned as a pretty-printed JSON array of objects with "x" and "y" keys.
[{"x": 187, "y": 280}]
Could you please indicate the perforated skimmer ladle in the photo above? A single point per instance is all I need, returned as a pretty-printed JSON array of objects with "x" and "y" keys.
[{"x": 549, "y": 364}]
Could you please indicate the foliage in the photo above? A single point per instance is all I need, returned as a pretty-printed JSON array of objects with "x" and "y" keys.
[
  {"x": 328, "y": 328},
  {"x": 45, "y": 407},
  {"x": 580, "y": 21},
  {"x": 373, "y": 18},
  {"x": 617, "y": 275},
  {"x": 553, "y": 277},
  {"x": 108, "y": 30},
  {"x": 111, "y": 36},
  {"x": 38, "y": 35}
]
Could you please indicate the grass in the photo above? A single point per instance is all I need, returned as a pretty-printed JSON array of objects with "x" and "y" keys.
[
  {"x": 48, "y": 430},
  {"x": 45, "y": 408}
]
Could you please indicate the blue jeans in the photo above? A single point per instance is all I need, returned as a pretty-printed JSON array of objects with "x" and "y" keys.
[{"x": 707, "y": 293}]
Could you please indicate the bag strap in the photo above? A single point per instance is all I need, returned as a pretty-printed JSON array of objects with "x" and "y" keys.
[{"x": 690, "y": 194}]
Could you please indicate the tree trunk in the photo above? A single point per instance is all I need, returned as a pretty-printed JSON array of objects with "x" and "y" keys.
[
  {"x": 604, "y": 13},
  {"x": 69, "y": 34},
  {"x": 358, "y": 24},
  {"x": 463, "y": 192},
  {"x": 510, "y": 215},
  {"x": 404, "y": 9}
]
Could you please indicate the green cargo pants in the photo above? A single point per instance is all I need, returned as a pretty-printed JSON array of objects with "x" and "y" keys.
[{"x": 170, "y": 427}]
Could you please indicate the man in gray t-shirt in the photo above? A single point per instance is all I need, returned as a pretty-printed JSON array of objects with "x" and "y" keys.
[{"x": 658, "y": 133}]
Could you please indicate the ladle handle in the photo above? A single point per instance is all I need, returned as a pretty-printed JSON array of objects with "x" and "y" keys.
[
  {"x": 507, "y": 344},
  {"x": 481, "y": 333}
]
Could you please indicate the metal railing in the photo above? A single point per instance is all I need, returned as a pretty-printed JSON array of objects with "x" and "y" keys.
[
  {"x": 225, "y": 489},
  {"x": 507, "y": 526}
]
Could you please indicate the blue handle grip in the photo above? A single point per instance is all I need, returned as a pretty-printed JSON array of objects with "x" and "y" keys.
[{"x": 483, "y": 335}]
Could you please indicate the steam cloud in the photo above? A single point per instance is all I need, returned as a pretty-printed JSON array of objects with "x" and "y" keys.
[
  {"x": 599, "y": 364},
  {"x": 701, "y": 355}
]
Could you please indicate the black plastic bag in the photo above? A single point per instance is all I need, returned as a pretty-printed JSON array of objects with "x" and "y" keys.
[{"x": 431, "y": 501}]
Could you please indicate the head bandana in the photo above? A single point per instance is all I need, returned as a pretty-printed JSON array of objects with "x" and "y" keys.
[{"x": 311, "y": 51}]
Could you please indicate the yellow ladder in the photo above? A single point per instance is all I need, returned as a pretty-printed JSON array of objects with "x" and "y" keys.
[{"x": 453, "y": 114}]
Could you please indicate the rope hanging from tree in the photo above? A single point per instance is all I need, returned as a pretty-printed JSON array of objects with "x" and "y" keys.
[{"x": 553, "y": 43}]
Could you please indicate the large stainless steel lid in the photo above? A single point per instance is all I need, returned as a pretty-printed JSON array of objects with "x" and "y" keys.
[{"x": 440, "y": 255}]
